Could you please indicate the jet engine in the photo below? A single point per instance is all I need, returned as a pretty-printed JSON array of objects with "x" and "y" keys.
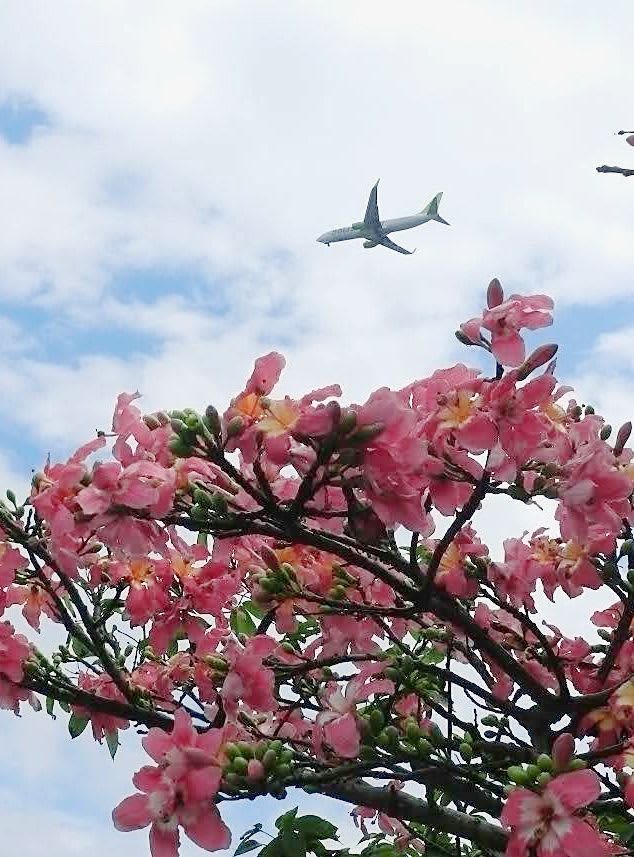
[{"x": 368, "y": 244}]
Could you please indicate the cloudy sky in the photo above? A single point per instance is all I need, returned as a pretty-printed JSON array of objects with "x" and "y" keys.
[{"x": 165, "y": 169}]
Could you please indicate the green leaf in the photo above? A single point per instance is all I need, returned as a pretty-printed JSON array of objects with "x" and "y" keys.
[
  {"x": 64, "y": 706},
  {"x": 79, "y": 648},
  {"x": 112, "y": 740},
  {"x": 247, "y": 845},
  {"x": 76, "y": 725},
  {"x": 201, "y": 539},
  {"x": 241, "y": 622},
  {"x": 254, "y": 609},
  {"x": 285, "y": 822},
  {"x": 314, "y": 827},
  {"x": 50, "y": 702},
  {"x": 432, "y": 655}
]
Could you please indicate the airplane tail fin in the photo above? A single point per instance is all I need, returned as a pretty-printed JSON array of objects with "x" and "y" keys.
[{"x": 431, "y": 210}]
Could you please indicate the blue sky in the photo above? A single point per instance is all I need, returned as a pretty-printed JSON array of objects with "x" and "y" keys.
[{"x": 165, "y": 171}]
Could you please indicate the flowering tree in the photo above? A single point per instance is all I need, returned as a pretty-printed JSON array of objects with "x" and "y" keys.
[{"x": 293, "y": 595}]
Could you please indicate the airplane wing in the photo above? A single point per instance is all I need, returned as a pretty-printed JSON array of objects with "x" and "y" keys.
[
  {"x": 385, "y": 242},
  {"x": 371, "y": 219}
]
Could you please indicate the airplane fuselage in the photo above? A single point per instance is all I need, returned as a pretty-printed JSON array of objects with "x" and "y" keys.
[{"x": 359, "y": 230}]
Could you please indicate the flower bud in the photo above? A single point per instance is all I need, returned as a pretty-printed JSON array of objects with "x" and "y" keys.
[
  {"x": 563, "y": 750},
  {"x": 540, "y": 356},
  {"x": 463, "y": 339},
  {"x": 212, "y": 420},
  {"x": 235, "y": 426},
  {"x": 347, "y": 421},
  {"x": 630, "y": 139},
  {"x": 367, "y": 433},
  {"x": 544, "y": 778},
  {"x": 518, "y": 775},
  {"x": 377, "y": 720},
  {"x": 495, "y": 293},
  {"x": 622, "y": 438},
  {"x": 533, "y": 771},
  {"x": 240, "y": 766},
  {"x": 151, "y": 422},
  {"x": 255, "y": 770},
  {"x": 270, "y": 557},
  {"x": 544, "y": 762},
  {"x": 605, "y": 432},
  {"x": 179, "y": 448},
  {"x": 466, "y": 751},
  {"x": 269, "y": 760}
]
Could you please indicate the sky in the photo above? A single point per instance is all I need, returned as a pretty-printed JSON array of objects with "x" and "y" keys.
[{"x": 165, "y": 170}]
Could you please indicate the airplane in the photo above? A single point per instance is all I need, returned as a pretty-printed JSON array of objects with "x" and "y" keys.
[{"x": 375, "y": 231}]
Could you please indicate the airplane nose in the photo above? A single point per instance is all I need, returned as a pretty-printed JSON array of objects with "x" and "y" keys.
[{"x": 322, "y": 239}]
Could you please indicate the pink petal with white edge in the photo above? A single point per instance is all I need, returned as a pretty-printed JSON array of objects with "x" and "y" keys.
[
  {"x": 132, "y": 813},
  {"x": 576, "y": 789},
  {"x": 521, "y": 808},
  {"x": 209, "y": 831}
]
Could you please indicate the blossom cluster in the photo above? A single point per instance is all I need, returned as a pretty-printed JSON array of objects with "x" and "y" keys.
[{"x": 277, "y": 633}]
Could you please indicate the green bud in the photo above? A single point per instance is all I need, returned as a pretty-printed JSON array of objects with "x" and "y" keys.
[
  {"x": 276, "y": 746},
  {"x": 283, "y": 771},
  {"x": 179, "y": 448},
  {"x": 413, "y": 731},
  {"x": 392, "y": 673},
  {"x": 246, "y": 749},
  {"x": 198, "y": 513},
  {"x": 287, "y": 756},
  {"x": 466, "y": 751},
  {"x": 407, "y": 664},
  {"x": 409, "y": 749},
  {"x": 179, "y": 427},
  {"x": 212, "y": 420},
  {"x": 269, "y": 760},
  {"x": 489, "y": 720},
  {"x": 391, "y": 733},
  {"x": 239, "y": 766},
  {"x": 577, "y": 765},
  {"x": 233, "y": 779},
  {"x": 545, "y": 763},
  {"x": 544, "y": 778},
  {"x": 231, "y": 751},
  {"x": 11, "y": 496},
  {"x": 518, "y": 775},
  {"x": 260, "y": 750},
  {"x": 235, "y": 427},
  {"x": 533, "y": 771},
  {"x": 377, "y": 720},
  {"x": 347, "y": 421},
  {"x": 424, "y": 747}
]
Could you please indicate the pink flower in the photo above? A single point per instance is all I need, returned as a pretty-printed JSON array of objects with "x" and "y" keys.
[
  {"x": 546, "y": 825},
  {"x": 248, "y": 679},
  {"x": 337, "y": 724},
  {"x": 178, "y": 791},
  {"x": 505, "y": 320},
  {"x": 14, "y": 651}
]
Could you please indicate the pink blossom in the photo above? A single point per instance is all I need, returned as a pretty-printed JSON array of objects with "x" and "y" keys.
[
  {"x": 178, "y": 792},
  {"x": 14, "y": 651},
  {"x": 547, "y": 823},
  {"x": 505, "y": 320}
]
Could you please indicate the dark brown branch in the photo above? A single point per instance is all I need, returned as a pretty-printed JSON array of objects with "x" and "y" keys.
[
  {"x": 403, "y": 806},
  {"x": 623, "y": 171}
]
